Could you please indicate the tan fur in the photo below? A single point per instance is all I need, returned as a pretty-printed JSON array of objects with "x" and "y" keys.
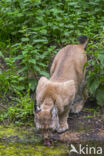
[
  {"x": 64, "y": 89},
  {"x": 68, "y": 64}
]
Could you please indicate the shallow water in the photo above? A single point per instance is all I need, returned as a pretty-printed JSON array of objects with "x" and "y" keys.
[
  {"x": 30, "y": 149},
  {"x": 22, "y": 141}
]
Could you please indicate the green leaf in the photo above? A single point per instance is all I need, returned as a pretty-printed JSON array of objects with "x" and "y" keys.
[
  {"x": 23, "y": 69},
  {"x": 44, "y": 31},
  {"x": 44, "y": 74},
  {"x": 21, "y": 78},
  {"x": 18, "y": 57},
  {"x": 40, "y": 41},
  {"x": 33, "y": 61},
  {"x": 94, "y": 85},
  {"x": 41, "y": 64},
  {"x": 101, "y": 58},
  {"x": 24, "y": 39},
  {"x": 19, "y": 88},
  {"x": 100, "y": 96},
  {"x": 36, "y": 68},
  {"x": 32, "y": 84},
  {"x": 1, "y": 55}
]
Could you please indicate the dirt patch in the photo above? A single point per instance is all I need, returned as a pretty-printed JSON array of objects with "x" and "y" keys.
[
  {"x": 69, "y": 137},
  {"x": 75, "y": 137},
  {"x": 101, "y": 133},
  {"x": 88, "y": 125}
]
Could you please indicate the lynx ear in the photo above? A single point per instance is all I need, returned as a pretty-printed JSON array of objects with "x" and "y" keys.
[
  {"x": 41, "y": 83},
  {"x": 67, "y": 90},
  {"x": 69, "y": 84}
]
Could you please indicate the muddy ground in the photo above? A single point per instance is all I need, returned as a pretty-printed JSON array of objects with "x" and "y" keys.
[
  {"x": 88, "y": 125},
  {"x": 86, "y": 128}
]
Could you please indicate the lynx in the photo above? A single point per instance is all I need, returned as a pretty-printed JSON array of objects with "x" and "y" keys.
[{"x": 64, "y": 92}]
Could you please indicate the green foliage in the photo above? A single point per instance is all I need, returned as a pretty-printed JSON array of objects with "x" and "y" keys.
[
  {"x": 95, "y": 73},
  {"x": 20, "y": 110},
  {"x": 23, "y": 109},
  {"x": 32, "y": 31},
  {"x": 10, "y": 81}
]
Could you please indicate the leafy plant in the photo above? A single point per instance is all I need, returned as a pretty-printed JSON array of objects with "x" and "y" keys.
[
  {"x": 32, "y": 31},
  {"x": 22, "y": 109},
  {"x": 95, "y": 73}
]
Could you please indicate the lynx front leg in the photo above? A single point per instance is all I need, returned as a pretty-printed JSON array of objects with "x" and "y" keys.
[{"x": 63, "y": 123}]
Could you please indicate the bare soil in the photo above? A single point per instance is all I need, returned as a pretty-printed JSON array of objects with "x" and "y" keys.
[{"x": 88, "y": 125}]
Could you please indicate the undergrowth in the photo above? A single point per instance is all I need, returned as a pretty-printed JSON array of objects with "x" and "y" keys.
[{"x": 31, "y": 32}]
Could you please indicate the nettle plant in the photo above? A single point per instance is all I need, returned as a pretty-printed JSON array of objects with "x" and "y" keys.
[
  {"x": 32, "y": 56},
  {"x": 37, "y": 29},
  {"x": 23, "y": 109},
  {"x": 33, "y": 31},
  {"x": 95, "y": 72}
]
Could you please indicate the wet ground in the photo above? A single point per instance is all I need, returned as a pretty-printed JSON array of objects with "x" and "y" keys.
[
  {"x": 22, "y": 141},
  {"x": 86, "y": 129},
  {"x": 88, "y": 125}
]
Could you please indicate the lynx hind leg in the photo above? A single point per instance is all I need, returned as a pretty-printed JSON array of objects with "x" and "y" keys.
[
  {"x": 80, "y": 98},
  {"x": 77, "y": 106}
]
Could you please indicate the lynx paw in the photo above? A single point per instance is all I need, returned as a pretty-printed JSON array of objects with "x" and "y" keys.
[
  {"x": 76, "y": 108},
  {"x": 63, "y": 129}
]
